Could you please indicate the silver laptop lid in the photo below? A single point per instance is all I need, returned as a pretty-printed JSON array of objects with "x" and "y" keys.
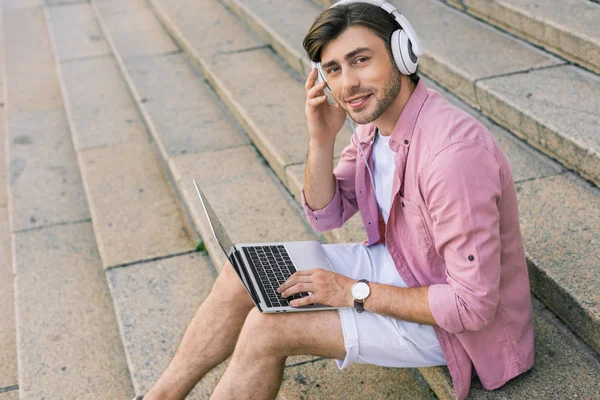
[{"x": 215, "y": 225}]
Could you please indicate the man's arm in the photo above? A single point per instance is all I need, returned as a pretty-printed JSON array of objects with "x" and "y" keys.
[
  {"x": 327, "y": 196},
  {"x": 333, "y": 289},
  {"x": 332, "y": 192},
  {"x": 462, "y": 188},
  {"x": 319, "y": 181},
  {"x": 408, "y": 304}
]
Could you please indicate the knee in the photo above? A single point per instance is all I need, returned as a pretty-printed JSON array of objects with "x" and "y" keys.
[
  {"x": 261, "y": 336},
  {"x": 229, "y": 288}
]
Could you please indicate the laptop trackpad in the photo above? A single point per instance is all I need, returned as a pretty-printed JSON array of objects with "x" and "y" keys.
[{"x": 308, "y": 255}]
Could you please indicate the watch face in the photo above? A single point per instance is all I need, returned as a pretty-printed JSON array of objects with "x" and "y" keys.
[{"x": 360, "y": 291}]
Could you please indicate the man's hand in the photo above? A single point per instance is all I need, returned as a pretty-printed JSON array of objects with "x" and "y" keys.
[
  {"x": 324, "y": 120},
  {"x": 327, "y": 288}
]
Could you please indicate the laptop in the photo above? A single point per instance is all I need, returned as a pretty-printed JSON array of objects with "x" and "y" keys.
[{"x": 263, "y": 267}]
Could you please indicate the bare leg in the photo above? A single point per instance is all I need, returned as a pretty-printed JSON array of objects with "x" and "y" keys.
[
  {"x": 209, "y": 338},
  {"x": 265, "y": 342}
]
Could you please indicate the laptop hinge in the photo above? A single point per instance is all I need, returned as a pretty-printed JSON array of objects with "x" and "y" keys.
[{"x": 238, "y": 264}]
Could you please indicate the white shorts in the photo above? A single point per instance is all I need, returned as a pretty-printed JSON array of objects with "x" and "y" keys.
[{"x": 377, "y": 339}]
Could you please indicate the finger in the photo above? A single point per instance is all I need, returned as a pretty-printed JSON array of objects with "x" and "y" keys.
[
  {"x": 291, "y": 282},
  {"x": 305, "y": 272},
  {"x": 305, "y": 301},
  {"x": 312, "y": 77},
  {"x": 316, "y": 101},
  {"x": 300, "y": 287},
  {"x": 316, "y": 90}
]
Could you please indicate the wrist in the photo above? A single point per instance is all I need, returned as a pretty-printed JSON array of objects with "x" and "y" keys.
[
  {"x": 360, "y": 291},
  {"x": 349, "y": 298},
  {"x": 321, "y": 144}
]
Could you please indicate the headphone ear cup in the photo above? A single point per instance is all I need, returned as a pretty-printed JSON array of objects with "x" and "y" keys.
[
  {"x": 408, "y": 57},
  {"x": 397, "y": 52}
]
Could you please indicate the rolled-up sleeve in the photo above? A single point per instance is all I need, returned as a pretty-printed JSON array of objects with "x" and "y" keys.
[
  {"x": 463, "y": 185},
  {"x": 343, "y": 205}
]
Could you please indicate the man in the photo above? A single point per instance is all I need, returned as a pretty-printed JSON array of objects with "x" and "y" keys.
[{"x": 444, "y": 258}]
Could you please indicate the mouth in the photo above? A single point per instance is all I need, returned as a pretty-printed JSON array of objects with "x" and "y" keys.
[{"x": 358, "y": 102}]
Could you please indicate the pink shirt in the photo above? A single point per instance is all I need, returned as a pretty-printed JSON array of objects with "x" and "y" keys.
[{"x": 454, "y": 225}]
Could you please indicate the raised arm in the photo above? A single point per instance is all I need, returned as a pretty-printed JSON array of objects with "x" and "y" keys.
[{"x": 327, "y": 195}]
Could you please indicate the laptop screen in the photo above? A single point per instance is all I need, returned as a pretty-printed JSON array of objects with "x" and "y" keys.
[{"x": 215, "y": 225}]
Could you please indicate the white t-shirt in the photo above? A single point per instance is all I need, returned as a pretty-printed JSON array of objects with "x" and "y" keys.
[
  {"x": 383, "y": 171},
  {"x": 383, "y": 174}
]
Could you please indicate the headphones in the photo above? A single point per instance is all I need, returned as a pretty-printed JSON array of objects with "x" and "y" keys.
[{"x": 406, "y": 45}]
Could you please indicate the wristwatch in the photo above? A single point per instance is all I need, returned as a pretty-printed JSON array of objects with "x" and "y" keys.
[{"x": 360, "y": 291}]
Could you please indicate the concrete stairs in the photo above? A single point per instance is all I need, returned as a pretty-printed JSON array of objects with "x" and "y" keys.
[{"x": 112, "y": 107}]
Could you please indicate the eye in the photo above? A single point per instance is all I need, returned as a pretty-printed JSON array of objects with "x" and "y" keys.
[
  {"x": 332, "y": 69},
  {"x": 360, "y": 60}
]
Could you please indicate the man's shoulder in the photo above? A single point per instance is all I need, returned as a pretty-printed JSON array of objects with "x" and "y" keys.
[{"x": 441, "y": 125}]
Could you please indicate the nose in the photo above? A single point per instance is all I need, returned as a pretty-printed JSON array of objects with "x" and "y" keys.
[{"x": 350, "y": 80}]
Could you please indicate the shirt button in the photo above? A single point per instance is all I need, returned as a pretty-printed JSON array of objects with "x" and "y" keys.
[
  {"x": 406, "y": 142},
  {"x": 471, "y": 258}
]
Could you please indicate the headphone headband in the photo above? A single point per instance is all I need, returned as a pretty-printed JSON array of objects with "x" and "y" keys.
[{"x": 400, "y": 20}]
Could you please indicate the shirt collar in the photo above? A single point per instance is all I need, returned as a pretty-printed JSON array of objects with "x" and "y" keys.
[{"x": 402, "y": 133}]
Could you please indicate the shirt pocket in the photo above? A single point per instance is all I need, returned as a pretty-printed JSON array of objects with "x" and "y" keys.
[{"x": 412, "y": 224}]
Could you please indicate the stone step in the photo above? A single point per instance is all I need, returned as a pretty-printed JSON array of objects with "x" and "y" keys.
[
  {"x": 8, "y": 345},
  {"x": 568, "y": 28},
  {"x": 67, "y": 337},
  {"x": 515, "y": 84},
  {"x": 532, "y": 165},
  {"x": 239, "y": 62},
  {"x": 199, "y": 140},
  {"x": 135, "y": 214}
]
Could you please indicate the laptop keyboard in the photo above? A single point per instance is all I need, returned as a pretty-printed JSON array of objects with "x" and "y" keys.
[{"x": 273, "y": 266}]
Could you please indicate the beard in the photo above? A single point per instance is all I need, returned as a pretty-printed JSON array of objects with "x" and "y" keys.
[{"x": 391, "y": 89}]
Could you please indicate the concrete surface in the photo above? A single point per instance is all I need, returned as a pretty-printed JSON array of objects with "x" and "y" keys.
[
  {"x": 3, "y": 175},
  {"x": 183, "y": 111},
  {"x": 560, "y": 221},
  {"x": 12, "y": 395},
  {"x": 138, "y": 33},
  {"x": 75, "y": 31},
  {"x": 31, "y": 83},
  {"x": 322, "y": 380},
  {"x": 101, "y": 111},
  {"x": 112, "y": 7},
  {"x": 44, "y": 178},
  {"x": 154, "y": 303},
  {"x": 69, "y": 343},
  {"x": 553, "y": 109},
  {"x": 8, "y": 335},
  {"x": 135, "y": 214},
  {"x": 574, "y": 35}
]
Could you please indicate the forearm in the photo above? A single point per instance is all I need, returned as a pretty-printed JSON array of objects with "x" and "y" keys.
[
  {"x": 319, "y": 180},
  {"x": 409, "y": 304}
]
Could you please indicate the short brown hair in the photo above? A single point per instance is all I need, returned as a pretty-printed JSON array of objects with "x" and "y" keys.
[{"x": 332, "y": 22}]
